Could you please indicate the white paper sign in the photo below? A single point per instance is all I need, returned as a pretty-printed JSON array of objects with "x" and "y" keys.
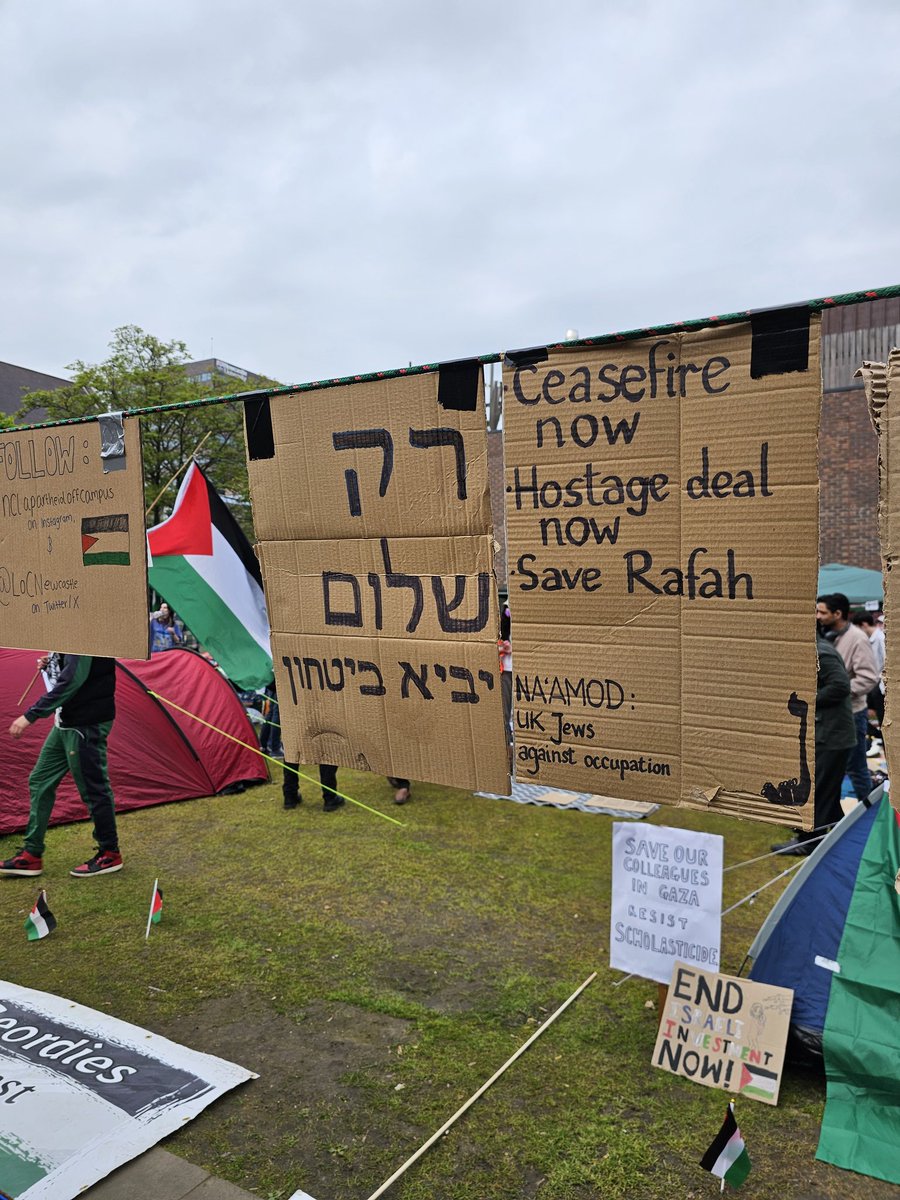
[
  {"x": 666, "y": 900},
  {"x": 83, "y": 1093}
]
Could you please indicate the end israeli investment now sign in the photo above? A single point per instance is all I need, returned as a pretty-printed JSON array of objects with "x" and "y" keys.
[{"x": 662, "y": 529}]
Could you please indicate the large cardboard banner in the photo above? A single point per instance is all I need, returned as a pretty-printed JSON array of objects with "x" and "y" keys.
[
  {"x": 372, "y": 508},
  {"x": 83, "y": 1093},
  {"x": 73, "y": 559},
  {"x": 724, "y": 1032},
  {"x": 666, "y": 900},
  {"x": 662, "y": 524}
]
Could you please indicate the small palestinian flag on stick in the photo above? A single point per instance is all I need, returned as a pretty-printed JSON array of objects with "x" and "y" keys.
[
  {"x": 40, "y": 921},
  {"x": 727, "y": 1157},
  {"x": 104, "y": 541},
  {"x": 155, "y": 915}
]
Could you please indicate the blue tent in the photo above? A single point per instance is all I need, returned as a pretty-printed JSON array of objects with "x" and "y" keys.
[
  {"x": 834, "y": 937},
  {"x": 803, "y": 931}
]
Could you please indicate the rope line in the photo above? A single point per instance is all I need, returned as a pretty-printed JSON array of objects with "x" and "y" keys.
[
  {"x": 629, "y": 335},
  {"x": 277, "y": 762}
]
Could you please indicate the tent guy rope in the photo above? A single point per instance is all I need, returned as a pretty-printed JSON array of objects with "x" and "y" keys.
[{"x": 269, "y": 758}]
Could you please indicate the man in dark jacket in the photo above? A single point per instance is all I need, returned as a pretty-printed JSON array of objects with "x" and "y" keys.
[
  {"x": 835, "y": 738},
  {"x": 83, "y": 698}
]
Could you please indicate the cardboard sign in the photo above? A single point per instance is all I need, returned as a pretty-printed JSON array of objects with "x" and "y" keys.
[
  {"x": 73, "y": 560},
  {"x": 882, "y": 384},
  {"x": 85, "y": 1093},
  {"x": 724, "y": 1032},
  {"x": 666, "y": 900},
  {"x": 662, "y": 524},
  {"x": 372, "y": 507}
]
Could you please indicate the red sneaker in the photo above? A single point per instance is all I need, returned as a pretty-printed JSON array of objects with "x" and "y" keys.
[
  {"x": 104, "y": 862},
  {"x": 23, "y": 862}
]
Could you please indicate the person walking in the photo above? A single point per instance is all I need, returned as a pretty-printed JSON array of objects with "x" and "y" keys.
[{"x": 82, "y": 696}]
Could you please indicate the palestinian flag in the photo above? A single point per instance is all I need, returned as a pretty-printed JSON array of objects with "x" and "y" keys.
[
  {"x": 727, "y": 1157},
  {"x": 104, "y": 541},
  {"x": 754, "y": 1081},
  {"x": 40, "y": 921},
  {"x": 202, "y": 564},
  {"x": 156, "y": 906}
]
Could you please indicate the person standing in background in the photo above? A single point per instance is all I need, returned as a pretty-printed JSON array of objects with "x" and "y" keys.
[
  {"x": 833, "y": 617},
  {"x": 165, "y": 632}
]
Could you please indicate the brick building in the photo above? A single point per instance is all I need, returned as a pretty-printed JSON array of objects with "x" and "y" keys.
[{"x": 848, "y": 448}]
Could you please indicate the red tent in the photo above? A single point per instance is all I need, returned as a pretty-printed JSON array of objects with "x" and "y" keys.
[{"x": 156, "y": 753}]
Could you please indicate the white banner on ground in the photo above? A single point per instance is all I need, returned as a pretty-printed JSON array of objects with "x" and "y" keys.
[
  {"x": 83, "y": 1093},
  {"x": 666, "y": 900}
]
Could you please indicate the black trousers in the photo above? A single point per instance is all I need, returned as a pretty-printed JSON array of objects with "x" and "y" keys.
[
  {"x": 290, "y": 784},
  {"x": 831, "y": 766}
]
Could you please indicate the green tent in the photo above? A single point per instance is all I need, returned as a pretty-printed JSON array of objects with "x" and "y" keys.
[{"x": 856, "y": 583}]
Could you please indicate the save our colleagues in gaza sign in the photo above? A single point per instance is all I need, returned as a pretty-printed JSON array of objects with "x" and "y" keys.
[
  {"x": 662, "y": 515},
  {"x": 666, "y": 900}
]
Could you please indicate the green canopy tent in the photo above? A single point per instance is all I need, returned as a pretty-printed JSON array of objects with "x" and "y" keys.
[{"x": 856, "y": 583}]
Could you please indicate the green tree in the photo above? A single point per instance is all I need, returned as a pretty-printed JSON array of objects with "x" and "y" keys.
[{"x": 143, "y": 372}]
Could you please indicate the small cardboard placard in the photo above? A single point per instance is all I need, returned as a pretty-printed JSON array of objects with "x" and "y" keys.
[
  {"x": 662, "y": 529},
  {"x": 666, "y": 900},
  {"x": 73, "y": 558},
  {"x": 372, "y": 507},
  {"x": 724, "y": 1032}
]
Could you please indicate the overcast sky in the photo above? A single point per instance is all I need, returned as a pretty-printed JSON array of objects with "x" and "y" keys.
[{"x": 318, "y": 189}]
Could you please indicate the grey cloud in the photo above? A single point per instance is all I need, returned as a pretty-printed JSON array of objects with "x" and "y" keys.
[{"x": 325, "y": 189}]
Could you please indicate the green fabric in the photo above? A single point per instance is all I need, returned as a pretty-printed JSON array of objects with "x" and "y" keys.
[
  {"x": 861, "y": 1124},
  {"x": 211, "y": 621},
  {"x": 58, "y": 755},
  {"x": 739, "y": 1169},
  {"x": 18, "y": 1169}
]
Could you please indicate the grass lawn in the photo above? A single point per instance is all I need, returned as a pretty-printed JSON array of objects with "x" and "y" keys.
[{"x": 375, "y": 976}]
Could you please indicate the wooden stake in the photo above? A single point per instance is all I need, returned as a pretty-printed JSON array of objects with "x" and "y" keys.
[
  {"x": 28, "y": 689},
  {"x": 188, "y": 460},
  {"x": 662, "y": 996},
  {"x": 484, "y": 1087},
  {"x": 150, "y": 913}
]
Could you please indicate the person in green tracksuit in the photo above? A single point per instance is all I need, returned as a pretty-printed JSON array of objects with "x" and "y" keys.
[{"x": 82, "y": 696}]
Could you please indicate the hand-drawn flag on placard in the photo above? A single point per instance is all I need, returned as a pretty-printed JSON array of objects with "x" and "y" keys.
[
  {"x": 203, "y": 565},
  {"x": 755, "y": 1081},
  {"x": 40, "y": 921},
  {"x": 727, "y": 1157},
  {"x": 104, "y": 541}
]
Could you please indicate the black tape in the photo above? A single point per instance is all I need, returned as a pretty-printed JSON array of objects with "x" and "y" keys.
[
  {"x": 526, "y": 358},
  {"x": 458, "y": 385},
  {"x": 780, "y": 341},
  {"x": 258, "y": 428}
]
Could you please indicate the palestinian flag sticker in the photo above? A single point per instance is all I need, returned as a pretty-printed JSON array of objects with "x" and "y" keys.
[{"x": 104, "y": 541}]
